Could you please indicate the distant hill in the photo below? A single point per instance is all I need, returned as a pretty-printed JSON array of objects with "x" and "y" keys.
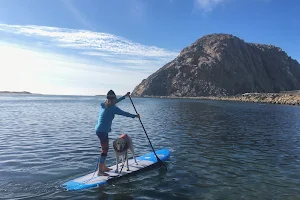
[{"x": 222, "y": 65}]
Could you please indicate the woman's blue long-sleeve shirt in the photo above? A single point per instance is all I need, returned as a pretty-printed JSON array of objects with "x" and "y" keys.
[{"x": 107, "y": 114}]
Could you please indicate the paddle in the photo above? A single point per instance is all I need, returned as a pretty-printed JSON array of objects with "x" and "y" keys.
[{"x": 161, "y": 162}]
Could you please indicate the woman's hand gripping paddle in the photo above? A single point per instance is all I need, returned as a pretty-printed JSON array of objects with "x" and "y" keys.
[{"x": 161, "y": 162}]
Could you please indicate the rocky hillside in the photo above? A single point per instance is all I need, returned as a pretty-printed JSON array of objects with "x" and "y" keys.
[{"x": 222, "y": 64}]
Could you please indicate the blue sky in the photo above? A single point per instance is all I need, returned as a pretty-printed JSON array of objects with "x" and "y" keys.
[{"x": 87, "y": 47}]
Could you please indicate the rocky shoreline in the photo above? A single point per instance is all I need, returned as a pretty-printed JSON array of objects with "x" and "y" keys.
[{"x": 286, "y": 98}]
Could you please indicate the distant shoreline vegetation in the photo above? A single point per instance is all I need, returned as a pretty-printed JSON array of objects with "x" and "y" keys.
[
  {"x": 11, "y": 92},
  {"x": 285, "y": 97},
  {"x": 29, "y": 93}
]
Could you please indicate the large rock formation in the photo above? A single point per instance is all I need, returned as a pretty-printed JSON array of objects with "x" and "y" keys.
[{"x": 222, "y": 64}]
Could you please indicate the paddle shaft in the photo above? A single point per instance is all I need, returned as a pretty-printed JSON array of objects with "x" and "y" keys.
[{"x": 146, "y": 133}]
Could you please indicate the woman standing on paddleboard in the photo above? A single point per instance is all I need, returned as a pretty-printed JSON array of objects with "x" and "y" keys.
[{"x": 107, "y": 112}]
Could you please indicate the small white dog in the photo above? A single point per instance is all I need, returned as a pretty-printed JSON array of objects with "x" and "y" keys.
[{"x": 121, "y": 147}]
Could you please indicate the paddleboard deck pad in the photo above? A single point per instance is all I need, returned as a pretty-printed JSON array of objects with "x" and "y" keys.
[{"x": 93, "y": 180}]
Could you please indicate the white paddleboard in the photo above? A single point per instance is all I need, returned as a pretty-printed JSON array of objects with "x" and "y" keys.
[{"x": 92, "y": 180}]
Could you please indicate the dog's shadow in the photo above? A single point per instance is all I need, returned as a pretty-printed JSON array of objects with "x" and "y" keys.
[
  {"x": 162, "y": 171},
  {"x": 115, "y": 196}
]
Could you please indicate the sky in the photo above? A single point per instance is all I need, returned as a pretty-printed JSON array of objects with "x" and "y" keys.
[{"x": 87, "y": 47}]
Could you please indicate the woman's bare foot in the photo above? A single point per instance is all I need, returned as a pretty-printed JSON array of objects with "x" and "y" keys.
[
  {"x": 106, "y": 169},
  {"x": 101, "y": 173}
]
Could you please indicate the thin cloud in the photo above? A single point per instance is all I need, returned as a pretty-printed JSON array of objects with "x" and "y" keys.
[
  {"x": 111, "y": 51},
  {"x": 138, "y": 9},
  {"x": 89, "y": 41},
  {"x": 79, "y": 16},
  {"x": 208, "y": 5},
  {"x": 93, "y": 53}
]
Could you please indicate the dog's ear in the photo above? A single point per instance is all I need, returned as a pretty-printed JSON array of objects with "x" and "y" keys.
[{"x": 114, "y": 143}]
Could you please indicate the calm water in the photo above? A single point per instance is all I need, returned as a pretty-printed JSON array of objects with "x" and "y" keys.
[{"x": 219, "y": 150}]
